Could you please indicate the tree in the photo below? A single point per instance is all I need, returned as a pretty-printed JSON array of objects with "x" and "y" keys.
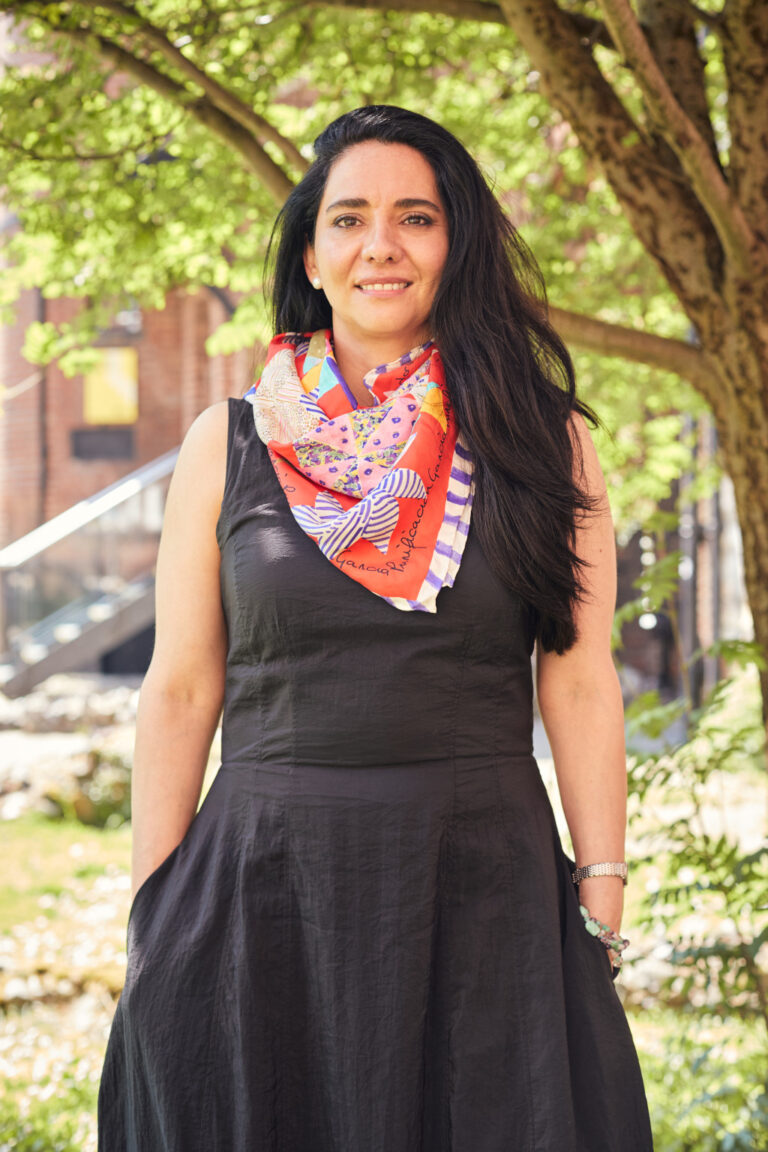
[{"x": 667, "y": 101}]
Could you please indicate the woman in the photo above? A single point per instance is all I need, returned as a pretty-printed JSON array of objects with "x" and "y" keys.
[{"x": 368, "y": 939}]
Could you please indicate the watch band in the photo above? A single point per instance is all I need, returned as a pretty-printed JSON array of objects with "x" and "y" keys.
[{"x": 613, "y": 869}]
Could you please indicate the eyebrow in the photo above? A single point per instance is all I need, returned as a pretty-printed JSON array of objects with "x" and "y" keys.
[{"x": 407, "y": 202}]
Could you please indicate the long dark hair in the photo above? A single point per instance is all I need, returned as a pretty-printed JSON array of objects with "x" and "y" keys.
[{"x": 509, "y": 375}]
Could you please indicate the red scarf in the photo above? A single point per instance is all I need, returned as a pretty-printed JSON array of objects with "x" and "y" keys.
[{"x": 385, "y": 491}]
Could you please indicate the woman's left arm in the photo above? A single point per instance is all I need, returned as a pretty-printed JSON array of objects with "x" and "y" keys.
[{"x": 581, "y": 705}]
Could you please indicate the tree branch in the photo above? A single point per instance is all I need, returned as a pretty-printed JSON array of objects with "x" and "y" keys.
[
  {"x": 605, "y": 339},
  {"x": 744, "y": 35},
  {"x": 61, "y": 158},
  {"x": 275, "y": 180},
  {"x": 689, "y": 146},
  {"x": 145, "y": 146},
  {"x": 665, "y": 214},
  {"x": 218, "y": 95},
  {"x": 669, "y": 26}
]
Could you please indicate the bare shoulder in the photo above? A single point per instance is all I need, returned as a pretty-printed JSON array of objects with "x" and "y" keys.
[
  {"x": 211, "y": 422},
  {"x": 586, "y": 464},
  {"x": 188, "y": 562},
  {"x": 202, "y": 462},
  {"x": 197, "y": 488},
  {"x": 205, "y": 444}
]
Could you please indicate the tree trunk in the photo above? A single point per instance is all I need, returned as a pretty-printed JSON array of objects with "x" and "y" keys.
[
  {"x": 748, "y": 468},
  {"x": 705, "y": 225},
  {"x": 742, "y": 423}
]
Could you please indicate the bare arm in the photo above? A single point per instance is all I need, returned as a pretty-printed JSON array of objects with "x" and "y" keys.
[
  {"x": 581, "y": 706},
  {"x": 182, "y": 693}
]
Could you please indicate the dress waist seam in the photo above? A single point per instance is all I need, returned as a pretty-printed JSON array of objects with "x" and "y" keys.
[{"x": 438, "y": 763}]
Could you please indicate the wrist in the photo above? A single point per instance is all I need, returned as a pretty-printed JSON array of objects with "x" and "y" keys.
[{"x": 604, "y": 896}]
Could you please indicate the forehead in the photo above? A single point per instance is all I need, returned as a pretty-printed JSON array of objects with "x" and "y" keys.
[{"x": 374, "y": 171}]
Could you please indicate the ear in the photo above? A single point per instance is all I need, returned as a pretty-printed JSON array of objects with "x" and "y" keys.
[{"x": 310, "y": 266}]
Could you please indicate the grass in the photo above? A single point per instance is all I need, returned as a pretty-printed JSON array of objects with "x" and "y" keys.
[
  {"x": 63, "y": 910},
  {"x": 49, "y": 858}
]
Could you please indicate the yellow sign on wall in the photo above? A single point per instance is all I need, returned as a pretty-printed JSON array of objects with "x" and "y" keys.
[{"x": 111, "y": 389}]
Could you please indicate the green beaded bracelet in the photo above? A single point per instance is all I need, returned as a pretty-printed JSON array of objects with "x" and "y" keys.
[{"x": 610, "y": 940}]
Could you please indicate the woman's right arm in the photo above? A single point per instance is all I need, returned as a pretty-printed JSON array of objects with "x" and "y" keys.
[{"x": 182, "y": 693}]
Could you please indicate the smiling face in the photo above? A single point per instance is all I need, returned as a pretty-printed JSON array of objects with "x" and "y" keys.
[{"x": 380, "y": 245}]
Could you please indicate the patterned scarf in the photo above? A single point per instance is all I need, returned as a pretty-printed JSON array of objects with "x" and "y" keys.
[{"x": 385, "y": 491}]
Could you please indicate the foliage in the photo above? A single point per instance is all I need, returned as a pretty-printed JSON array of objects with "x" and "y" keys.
[
  {"x": 643, "y": 444},
  {"x": 54, "y": 1115},
  {"x": 121, "y": 192},
  {"x": 707, "y": 1092},
  {"x": 706, "y": 904},
  {"x": 706, "y": 871},
  {"x": 710, "y": 898}
]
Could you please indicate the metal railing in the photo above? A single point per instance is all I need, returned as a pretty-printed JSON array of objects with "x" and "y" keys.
[{"x": 81, "y": 580}]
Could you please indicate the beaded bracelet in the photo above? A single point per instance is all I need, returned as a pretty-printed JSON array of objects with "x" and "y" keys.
[{"x": 610, "y": 940}]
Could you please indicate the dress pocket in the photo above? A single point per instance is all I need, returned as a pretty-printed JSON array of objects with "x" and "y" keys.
[
  {"x": 151, "y": 881},
  {"x": 604, "y": 958}
]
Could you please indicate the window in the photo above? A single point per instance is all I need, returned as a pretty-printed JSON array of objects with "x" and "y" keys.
[{"x": 111, "y": 389}]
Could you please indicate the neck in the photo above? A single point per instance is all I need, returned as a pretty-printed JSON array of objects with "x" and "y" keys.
[{"x": 356, "y": 357}]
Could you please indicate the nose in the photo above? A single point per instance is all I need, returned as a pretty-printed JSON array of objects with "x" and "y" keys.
[{"x": 381, "y": 245}]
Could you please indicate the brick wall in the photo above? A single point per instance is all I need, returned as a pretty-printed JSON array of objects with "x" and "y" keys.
[
  {"x": 20, "y": 448},
  {"x": 176, "y": 380}
]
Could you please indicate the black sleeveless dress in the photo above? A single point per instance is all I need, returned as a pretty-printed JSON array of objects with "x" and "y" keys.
[{"x": 368, "y": 940}]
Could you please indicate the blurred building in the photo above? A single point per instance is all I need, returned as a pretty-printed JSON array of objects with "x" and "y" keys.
[
  {"x": 85, "y": 464},
  {"x": 63, "y": 439},
  {"x": 663, "y": 649}
]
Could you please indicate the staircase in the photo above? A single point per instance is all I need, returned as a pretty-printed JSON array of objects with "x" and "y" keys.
[{"x": 83, "y": 583}]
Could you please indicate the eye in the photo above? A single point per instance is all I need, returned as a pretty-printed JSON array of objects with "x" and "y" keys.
[
  {"x": 418, "y": 218},
  {"x": 344, "y": 221}
]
